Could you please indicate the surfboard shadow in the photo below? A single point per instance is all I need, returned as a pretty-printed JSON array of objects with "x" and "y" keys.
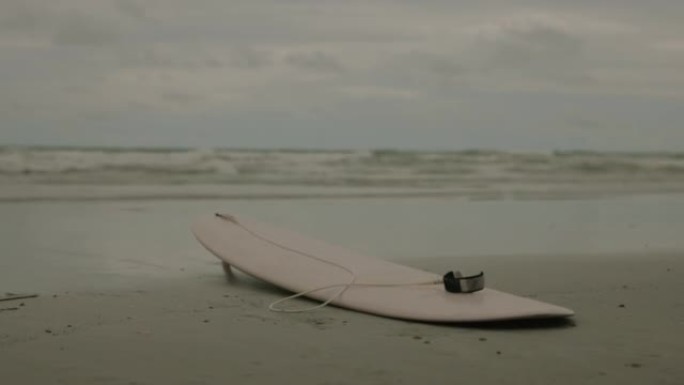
[{"x": 521, "y": 324}]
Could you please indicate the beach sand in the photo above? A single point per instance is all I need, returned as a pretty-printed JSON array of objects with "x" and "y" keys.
[{"x": 128, "y": 297}]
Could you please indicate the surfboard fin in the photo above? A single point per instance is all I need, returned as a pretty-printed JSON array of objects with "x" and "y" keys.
[
  {"x": 457, "y": 283},
  {"x": 227, "y": 217}
]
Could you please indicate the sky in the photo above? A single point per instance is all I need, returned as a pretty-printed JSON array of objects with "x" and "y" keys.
[{"x": 430, "y": 74}]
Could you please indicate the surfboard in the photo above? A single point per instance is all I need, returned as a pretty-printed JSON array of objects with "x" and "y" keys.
[{"x": 347, "y": 279}]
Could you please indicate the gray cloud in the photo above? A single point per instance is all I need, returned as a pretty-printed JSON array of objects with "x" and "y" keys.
[
  {"x": 189, "y": 57},
  {"x": 80, "y": 29},
  {"x": 131, "y": 8},
  {"x": 160, "y": 57},
  {"x": 528, "y": 46},
  {"x": 537, "y": 52},
  {"x": 180, "y": 97},
  {"x": 19, "y": 16},
  {"x": 250, "y": 58},
  {"x": 314, "y": 61},
  {"x": 444, "y": 66},
  {"x": 458, "y": 70}
]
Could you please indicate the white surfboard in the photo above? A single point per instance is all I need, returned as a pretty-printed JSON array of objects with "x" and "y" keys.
[{"x": 299, "y": 264}]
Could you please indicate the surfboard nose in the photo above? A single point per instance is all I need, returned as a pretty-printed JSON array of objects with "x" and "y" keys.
[{"x": 202, "y": 222}]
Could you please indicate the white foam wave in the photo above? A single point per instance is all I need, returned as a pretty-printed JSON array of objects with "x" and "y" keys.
[{"x": 325, "y": 168}]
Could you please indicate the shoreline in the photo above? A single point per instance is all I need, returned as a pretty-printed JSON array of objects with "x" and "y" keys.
[{"x": 470, "y": 190}]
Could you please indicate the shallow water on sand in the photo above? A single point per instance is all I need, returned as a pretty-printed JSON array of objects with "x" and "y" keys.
[{"x": 78, "y": 245}]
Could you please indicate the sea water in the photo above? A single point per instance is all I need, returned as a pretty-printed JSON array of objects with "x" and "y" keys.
[{"x": 583, "y": 204}]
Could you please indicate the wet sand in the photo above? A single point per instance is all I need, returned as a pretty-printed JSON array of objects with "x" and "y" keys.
[
  {"x": 204, "y": 330},
  {"x": 124, "y": 302}
]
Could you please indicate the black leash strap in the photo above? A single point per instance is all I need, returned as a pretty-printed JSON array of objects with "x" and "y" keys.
[{"x": 456, "y": 283}]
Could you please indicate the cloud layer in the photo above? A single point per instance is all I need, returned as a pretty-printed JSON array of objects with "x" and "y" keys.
[{"x": 512, "y": 74}]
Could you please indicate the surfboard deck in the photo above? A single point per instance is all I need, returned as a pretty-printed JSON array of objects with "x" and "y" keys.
[{"x": 283, "y": 258}]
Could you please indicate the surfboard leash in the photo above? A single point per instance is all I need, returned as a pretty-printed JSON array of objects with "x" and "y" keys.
[{"x": 454, "y": 282}]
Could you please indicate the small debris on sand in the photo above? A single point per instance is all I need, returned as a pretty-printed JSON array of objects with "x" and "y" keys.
[{"x": 14, "y": 296}]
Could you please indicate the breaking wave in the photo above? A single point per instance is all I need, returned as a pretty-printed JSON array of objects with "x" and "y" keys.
[{"x": 324, "y": 168}]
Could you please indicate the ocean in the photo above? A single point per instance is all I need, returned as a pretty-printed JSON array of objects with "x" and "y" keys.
[
  {"x": 125, "y": 173},
  {"x": 99, "y": 217}
]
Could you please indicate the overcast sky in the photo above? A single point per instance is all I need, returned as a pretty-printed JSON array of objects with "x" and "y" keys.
[{"x": 428, "y": 74}]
